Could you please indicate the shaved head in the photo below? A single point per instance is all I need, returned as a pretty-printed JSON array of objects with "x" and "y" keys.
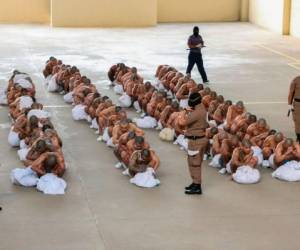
[
  {"x": 50, "y": 163},
  {"x": 278, "y": 137}
]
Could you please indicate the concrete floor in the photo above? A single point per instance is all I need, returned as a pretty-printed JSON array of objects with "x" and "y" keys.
[{"x": 101, "y": 210}]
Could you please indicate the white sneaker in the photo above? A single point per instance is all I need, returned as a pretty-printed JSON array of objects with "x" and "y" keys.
[
  {"x": 100, "y": 138},
  {"x": 205, "y": 157},
  {"x": 126, "y": 172},
  {"x": 143, "y": 115},
  {"x": 223, "y": 171},
  {"x": 97, "y": 132},
  {"x": 266, "y": 164},
  {"x": 118, "y": 165}
]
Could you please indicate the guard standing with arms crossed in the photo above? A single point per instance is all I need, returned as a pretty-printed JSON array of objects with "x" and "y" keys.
[
  {"x": 294, "y": 102},
  {"x": 197, "y": 141}
]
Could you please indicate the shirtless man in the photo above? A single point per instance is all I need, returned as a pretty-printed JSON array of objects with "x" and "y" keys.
[
  {"x": 220, "y": 114},
  {"x": 160, "y": 68},
  {"x": 66, "y": 78},
  {"x": 74, "y": 81},
  {"x": 105, "y": 114},
  {"x": 49, "y": 162},
  {"x": 161, "y": 105},
  {"x": 131, "y": 75},
  {"x": 114, "y": 119},
  {"x": 227, "y": 148},
  {"x": 258, "y": 132},
  {"x": 132, "y": 83},
  {"x": 217, "y": 142},
  {"x": 141, "y": 160},
  {"x": 238, "y": 122},
  {"x": 138, "y": 143},
  {"x": 287, "y": 150},
  {"x": 181, "y": 81},
  {"x": 145, "y": 98},
  {"x": 243, "y": 156},
  {"x": 88, "y": 100},
  {"x": 163, "y": 71},
  {"x": 206, "y": 100},
  {"x": 112, "y": 72},
  {"x": 210, "y": 133},
  {"x": 214, "y": 104},
  {"x": 156, "y": 99},
  {"x": 105, "y": 104},
  {"x": 166, "y": 113},
  {"x": 269, "y": 147},
  {"x": 166, "y": 80},
  {"x": 185, "y": 90},
  {"x": 179, "y": 122},
  {"x": 15, "y": 108},
  {"x": 123, "y": 127},
  {"x": 14, "y": 92},
  {"x": 38, "y": 148},
  {"x": 33, "y": 131},
  {"x": 122, "y": 146},
  {"x": 120, "y": 73},
  {"x": 174, "y": 81},
  {"x": 233, "y": 112},
  {"x": 91, "y": 110},
  {"x": 20, "y": 125},
  {"x": 51, "y": 63},
  {"x": 206, "y": 91}
]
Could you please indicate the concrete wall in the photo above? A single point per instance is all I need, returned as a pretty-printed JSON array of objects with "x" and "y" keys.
[
  {"x": 267, "y": 13},
  {"x": 104, "y": 13},
  {"x": 295, "y": 18},
  {"x": 24, "y": 11},
  {"x": 198, "y": 10}
]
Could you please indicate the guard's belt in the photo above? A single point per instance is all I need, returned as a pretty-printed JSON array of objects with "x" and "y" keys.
[
  {"x": 194, "y": 137},
  {"x": 297, "y": 99}
]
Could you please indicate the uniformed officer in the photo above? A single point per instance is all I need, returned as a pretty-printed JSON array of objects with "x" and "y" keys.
[
  {"x": 195, "y": 44},
  {"x": 197, "y": 142},
  {"x": 294, "y": 102}
]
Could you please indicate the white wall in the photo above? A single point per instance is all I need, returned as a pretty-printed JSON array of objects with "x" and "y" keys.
[
  {"x": 295, "y": 18},
  {"x": 268, "y": 14}
]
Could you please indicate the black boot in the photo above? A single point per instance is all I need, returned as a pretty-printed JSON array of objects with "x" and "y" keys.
[
  {"x": 196, "y": 189},
  {"x": 190, "y": 186},
  {"x": 298, "y": 138}
]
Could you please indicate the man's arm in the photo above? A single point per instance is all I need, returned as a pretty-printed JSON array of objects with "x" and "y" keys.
[
  {"x": 115, "y": 135},
  {"x": 138, "y": 131},
  {"x": 180, "y": 95},
  {"x": 279, "y": 157},
  {"x": 292, "y": 92},
  {"x": 297, "y": 150},
  {"x": 60, "y": 169},
  {"x": 132, "y": 161},
  {"x": 192, "y": 46},
  {"x": 155, "y": 161},
  {"x": 37, "y": 165}
]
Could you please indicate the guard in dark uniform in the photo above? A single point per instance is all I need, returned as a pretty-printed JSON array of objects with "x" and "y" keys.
[
  {"x": 195, "y": 43},
  {"x": 294, "y": 102},
  {"x": 197, "y": 141}
]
